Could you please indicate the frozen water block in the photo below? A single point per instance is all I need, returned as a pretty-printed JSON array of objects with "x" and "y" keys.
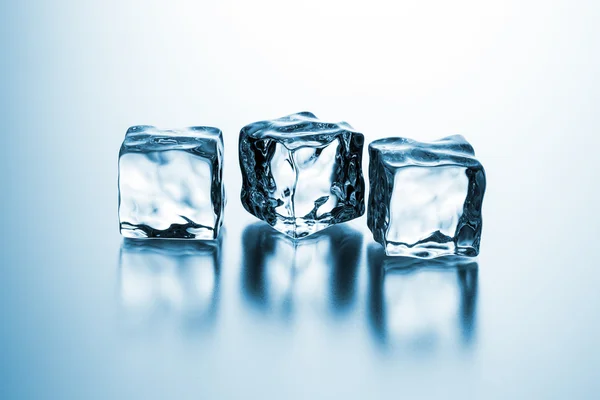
[
  {"x": 170, "y": 183},
  {"x": 425, "y": 198},
  {"x": 301, "y": 175}
]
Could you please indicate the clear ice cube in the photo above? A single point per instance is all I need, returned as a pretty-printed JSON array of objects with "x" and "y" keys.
[
  {"x": 300, "y": 174},
  {"x": 170, "y": 183},
  {"x": 425, "y": 198}
]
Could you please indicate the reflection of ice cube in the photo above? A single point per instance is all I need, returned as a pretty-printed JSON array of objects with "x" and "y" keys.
[
  {"x": 170, "y": 183},
  {"x": 425, "y": 197},
  {"x": 281, "y": 274},
  {"x": 423, "y": 304},
  {"x": 301, "y": 175},
  {"x": 174, "y": 277}
]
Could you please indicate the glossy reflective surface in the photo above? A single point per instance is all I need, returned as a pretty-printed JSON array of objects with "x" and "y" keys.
[
  {"x": 422, "y": 306},
  {"x": 169, "y": 279}
]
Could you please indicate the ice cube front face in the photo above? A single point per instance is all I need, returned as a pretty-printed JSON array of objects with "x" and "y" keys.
[
  {"x": 301, "y": 175},
  {"x": 170, "y": 183},
  {"x": 425, "y": 198}
]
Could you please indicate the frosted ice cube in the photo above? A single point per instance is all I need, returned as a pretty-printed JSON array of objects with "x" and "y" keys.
[
  {"x": 425, "y": 198},
  {"x": 170, "y": 183},
  {"x": 301, "y": 175}
]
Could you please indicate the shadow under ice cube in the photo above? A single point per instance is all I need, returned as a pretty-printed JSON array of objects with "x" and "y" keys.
[
  {"x": 300, "y": 174},
  {"x": 425, "y": 198},
  {"x": 170, "y": 183}
]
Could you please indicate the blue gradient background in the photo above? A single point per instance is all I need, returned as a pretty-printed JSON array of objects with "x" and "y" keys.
[{"x": 518, "y": 78}]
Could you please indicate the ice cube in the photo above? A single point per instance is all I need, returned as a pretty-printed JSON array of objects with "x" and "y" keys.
[
  {"x": 425, "y": 198},
  {"x": 301, "y": 175},
  {"x": 170, "y": 183}
]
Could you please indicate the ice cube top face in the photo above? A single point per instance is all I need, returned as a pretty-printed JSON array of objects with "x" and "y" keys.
[
  {"x": 425, "y": 198},
  {"x": 300, "y": 174},
  {"x": 170, "y": 183}
]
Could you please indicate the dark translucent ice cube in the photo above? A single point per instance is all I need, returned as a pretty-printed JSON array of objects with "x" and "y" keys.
[{"x": 300, "y": 174}]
